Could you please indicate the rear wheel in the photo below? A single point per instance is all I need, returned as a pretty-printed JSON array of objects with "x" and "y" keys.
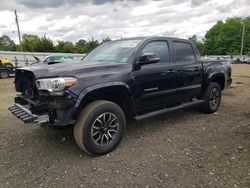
[
  {"x": 99, "y": 127},
  {"x": 4, "y": 74},
  {"x": 212, "y": 98}
]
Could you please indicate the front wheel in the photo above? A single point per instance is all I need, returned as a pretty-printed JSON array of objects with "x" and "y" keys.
[
  {"x": 100, "y": 127},
  {"x": 212, "y": 98}
]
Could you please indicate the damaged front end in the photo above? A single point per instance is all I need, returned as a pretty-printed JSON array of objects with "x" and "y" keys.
[{"x": 43, "y": 101}]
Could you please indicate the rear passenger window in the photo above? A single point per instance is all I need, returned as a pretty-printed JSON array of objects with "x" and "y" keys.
[
  {"x": 183, "y": 52},
  {"x": 158, "y": 47}
]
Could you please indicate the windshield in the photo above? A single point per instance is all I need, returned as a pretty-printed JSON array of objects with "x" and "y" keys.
[{"x": 115, "y": 51}]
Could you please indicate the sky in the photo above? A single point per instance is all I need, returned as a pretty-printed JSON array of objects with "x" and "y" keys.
[{"x": 71, "y": 20}]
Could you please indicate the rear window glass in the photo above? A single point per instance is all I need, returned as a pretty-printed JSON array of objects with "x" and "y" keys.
[{"x": 183, "y": 52}]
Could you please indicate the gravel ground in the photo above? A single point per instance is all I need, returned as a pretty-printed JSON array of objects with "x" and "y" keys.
[{"x": 180, "y": 149}]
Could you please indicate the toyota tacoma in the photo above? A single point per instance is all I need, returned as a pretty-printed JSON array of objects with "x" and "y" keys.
[{"x": 128, "y": 78}]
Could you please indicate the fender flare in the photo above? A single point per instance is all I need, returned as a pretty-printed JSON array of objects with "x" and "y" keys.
[
  {"x": 92, "y": 89},
  {"x": 215, "y": 75}
]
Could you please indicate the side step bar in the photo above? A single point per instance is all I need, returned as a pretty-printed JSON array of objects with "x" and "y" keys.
[{"x": 162, "y": 111}]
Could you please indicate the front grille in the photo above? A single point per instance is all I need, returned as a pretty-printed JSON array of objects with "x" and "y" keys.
[{"x": 25, "y": 83}]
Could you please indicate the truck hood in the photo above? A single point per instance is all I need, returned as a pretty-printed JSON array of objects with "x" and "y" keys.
[{"x": 73, "y": 69}]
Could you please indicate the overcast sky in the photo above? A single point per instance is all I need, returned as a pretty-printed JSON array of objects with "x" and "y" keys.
[{"x": 72, "y": 20}]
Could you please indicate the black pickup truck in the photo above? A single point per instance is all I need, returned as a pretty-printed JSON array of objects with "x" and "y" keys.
[{"x": 135, "y": 77}]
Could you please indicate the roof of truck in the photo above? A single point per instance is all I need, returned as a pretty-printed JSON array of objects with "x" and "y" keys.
[{"x": 153, "y": 37}]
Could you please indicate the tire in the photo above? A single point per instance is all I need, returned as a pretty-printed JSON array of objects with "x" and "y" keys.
[
  {"x": 212, "y": 98},
  {"x": 89, "y": 132},
  {"x": 4, "y": 74}
]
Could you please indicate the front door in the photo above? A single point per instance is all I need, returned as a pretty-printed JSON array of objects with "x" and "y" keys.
[{"x": 156, "y": 84}]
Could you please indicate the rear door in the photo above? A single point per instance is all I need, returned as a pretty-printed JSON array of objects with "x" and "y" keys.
[{"x": 188, "y": 66}]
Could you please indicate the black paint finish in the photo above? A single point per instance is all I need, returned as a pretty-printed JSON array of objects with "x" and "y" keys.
[{"x": 145, "y": 87}]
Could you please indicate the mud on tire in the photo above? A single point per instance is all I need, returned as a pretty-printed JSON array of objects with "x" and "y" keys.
[{"x": 99, "y": 127}]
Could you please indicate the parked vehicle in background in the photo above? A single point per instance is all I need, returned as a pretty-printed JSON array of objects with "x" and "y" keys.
[
  {"x": 241, "y": 60},
  {"x": 136, "y": 77},
  {"x": 245, "y": 60},
  {"x": 5, "y": 72},
  {"x": 6, "y": 68},
  {"x": 5, "y": 63},
  {"x": 54, "y": 59}
]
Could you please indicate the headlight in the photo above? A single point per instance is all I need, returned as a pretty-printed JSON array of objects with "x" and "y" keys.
[{"x": 55, "y": 84}]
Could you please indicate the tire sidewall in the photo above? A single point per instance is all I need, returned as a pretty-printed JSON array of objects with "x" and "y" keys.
[
  {"x": 7, "y": 74},
  {"x": 211, "y": 86},
  {"x": 88, "y": 143}
]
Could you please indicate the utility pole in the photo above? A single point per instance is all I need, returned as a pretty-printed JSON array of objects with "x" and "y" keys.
[
  {"x": 18, "y": 30},
  {"x": 242, "y": 40}
]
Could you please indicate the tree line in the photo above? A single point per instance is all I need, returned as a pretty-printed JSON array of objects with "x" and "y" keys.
[
  {"x": 224, "y": 38},
  {"x": 34, "y": 43}
]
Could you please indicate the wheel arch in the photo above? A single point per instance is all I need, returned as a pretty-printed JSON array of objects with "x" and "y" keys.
[
  {"x": 117, "y": 92},
  {"x": 218, "y": 78}
]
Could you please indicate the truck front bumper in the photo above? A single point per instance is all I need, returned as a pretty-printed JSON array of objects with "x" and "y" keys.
[
  {"x": 26, "y": 116},
  {"x": 51, "y": 113}
]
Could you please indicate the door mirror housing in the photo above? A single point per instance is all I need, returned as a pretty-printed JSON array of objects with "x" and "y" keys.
[{"x": 148, "y": 58}]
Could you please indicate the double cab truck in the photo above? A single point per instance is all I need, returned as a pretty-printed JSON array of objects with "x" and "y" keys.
[{"x": 128, "y": 78}]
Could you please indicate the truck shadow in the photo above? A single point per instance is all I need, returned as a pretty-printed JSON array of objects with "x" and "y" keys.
[
  {"x": 163, "y": 120},
  {"x": 61, "y": 141}
]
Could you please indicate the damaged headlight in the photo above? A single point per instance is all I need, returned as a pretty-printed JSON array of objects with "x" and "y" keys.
[{"x": 55, "y": 84}]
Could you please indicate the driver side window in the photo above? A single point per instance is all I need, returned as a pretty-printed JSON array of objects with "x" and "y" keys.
[{"x": 160, "y": 48}]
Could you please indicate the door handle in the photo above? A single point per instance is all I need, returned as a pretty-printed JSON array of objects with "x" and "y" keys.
[
  {"x": 196, "y": 69},
  {"x": 170, "y": 71}
]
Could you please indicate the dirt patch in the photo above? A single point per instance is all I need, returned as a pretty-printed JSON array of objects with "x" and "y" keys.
[
  {"x": 181, "y": 149},
  {"x": 239, "y": 83}
]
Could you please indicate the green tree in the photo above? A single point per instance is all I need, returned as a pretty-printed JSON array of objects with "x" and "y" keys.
[
  {"x": 45, "y": 45},
  {"x": 81, "y": 46},
  {"x": 30, "y": 43},
  {"x": 224, "y": 38},
  {"x": 246, "y": 50},
  {"x": 198, "y": 43},
  {"x": 65, "y": 47},
  {"x": 6, "y": 44},
  {"x": 92, "y": 44}
]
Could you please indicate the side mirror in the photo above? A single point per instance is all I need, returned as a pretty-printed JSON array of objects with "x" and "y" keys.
[{"x": 148, "y": 58}]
